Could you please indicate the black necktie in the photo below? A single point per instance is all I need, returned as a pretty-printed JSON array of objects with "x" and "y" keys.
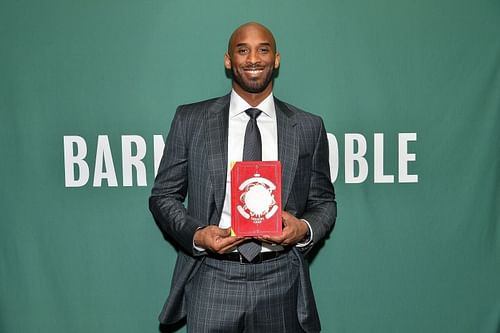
[
  {"x": 252, "y": 151},
  {"x": 252, "y": 148}
]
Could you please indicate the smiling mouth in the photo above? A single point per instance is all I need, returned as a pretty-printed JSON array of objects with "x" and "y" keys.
[{"x": 253, "y": 71}]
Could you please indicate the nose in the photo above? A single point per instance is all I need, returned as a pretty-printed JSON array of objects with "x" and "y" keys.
[{"x": 253, "y": 57}]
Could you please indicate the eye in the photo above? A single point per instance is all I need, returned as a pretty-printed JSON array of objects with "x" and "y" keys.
[
  {"x": 264, "y": 49},
  {"x": 242, "y": 51}
]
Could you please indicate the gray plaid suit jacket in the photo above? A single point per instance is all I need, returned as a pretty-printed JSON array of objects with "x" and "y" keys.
[{"x": 194, "y": 165}]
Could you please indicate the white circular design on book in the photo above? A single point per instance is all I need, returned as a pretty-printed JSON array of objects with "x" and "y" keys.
[{"x": 257, "y": 199}]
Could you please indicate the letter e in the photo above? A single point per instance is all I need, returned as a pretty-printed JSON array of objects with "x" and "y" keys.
[{"x": 405, "y": 157}]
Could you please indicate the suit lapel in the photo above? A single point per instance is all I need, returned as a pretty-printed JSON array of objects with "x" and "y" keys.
[
  {"x": 217, "y": 117},
  {"x": 288, "y": 147}
]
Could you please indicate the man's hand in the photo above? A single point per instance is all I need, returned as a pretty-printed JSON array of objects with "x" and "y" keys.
[
  {"x": 215, "y": 239},
  {"x": 294, "y": 230}
]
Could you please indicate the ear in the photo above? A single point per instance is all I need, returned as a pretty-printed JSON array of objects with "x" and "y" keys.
[
  {"x": 227, "y": 61},
  {"x": 277, "y": 60}
]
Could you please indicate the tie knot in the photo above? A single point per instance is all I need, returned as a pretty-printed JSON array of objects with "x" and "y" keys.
[{"x": 253, "y": 113}]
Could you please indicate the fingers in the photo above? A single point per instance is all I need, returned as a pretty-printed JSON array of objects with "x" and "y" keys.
[
  {"x": 217, "y": 233},
  {"x": 288, "y": 218},
  {"x": 285, "y": 215},
  {"x": 220, "y": 240},
  {"x": 293, "y": 231},
  {"x": 284, "y": 239},
  {"x": 230, "y": 247},
  {"x": 273, "y": 239}
]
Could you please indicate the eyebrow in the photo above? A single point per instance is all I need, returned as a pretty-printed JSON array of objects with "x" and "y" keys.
[{"x": 246, "y": 44}]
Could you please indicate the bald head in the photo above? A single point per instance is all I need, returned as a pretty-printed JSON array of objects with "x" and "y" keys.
[{"x": 250, "y": 27}]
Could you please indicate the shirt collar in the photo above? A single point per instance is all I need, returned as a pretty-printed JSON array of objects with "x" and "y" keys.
[{"x": 239, "y": 105}]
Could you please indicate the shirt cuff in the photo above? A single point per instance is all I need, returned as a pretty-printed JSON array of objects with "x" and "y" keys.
[
  {"x": 309, "y": 237},
  {"x": 197, "y": 248}
]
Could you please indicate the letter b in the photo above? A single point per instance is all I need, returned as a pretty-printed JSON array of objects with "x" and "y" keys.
[{"x": 72, "y": 159}]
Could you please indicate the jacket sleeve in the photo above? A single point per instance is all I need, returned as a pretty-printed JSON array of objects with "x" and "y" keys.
[
  {"x": 321, "y": 207},
  {"x": 166, "y": 202}
]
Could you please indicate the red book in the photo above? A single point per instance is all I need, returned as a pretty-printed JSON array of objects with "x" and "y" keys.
[{"x": 256, "y": 198}]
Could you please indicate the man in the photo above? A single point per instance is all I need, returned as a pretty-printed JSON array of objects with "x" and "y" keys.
[{"x": 215, "y": 285}]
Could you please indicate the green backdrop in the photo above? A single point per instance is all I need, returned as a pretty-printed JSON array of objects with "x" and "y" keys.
[{"x": 418, "y": 256}]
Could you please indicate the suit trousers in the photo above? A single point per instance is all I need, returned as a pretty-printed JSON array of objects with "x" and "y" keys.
[{"x": 227, "y": 296}]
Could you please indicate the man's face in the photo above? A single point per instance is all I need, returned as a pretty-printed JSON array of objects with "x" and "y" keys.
[{"x": 252, "y": 58}]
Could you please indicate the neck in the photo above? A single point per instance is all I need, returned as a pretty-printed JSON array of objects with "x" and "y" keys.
[{"x": 253, "y": 99}]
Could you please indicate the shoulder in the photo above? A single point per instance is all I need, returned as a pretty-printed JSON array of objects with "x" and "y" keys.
[
  {"x": 191, "y": 118},
  {"x": 298, "y": 114},
  {"x": 198, "y": 109}
]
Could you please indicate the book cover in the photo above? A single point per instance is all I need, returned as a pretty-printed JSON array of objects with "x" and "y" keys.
[{"x": 256, "y": 198}]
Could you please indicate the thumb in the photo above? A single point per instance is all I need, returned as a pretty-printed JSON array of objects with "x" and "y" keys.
[
  {"x": 285, "y": 217},
  {"x": 225, "y": 232}
]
